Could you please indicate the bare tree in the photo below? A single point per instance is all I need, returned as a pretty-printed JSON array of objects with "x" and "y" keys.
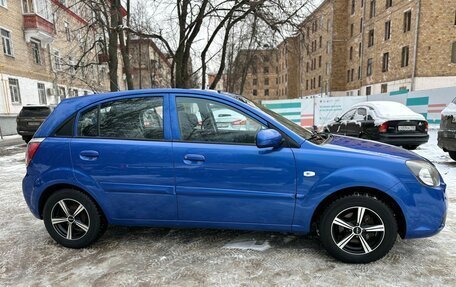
[{"x": 190, "y": 19}]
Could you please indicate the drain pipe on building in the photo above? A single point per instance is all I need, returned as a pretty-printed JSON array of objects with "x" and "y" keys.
[{"x": 415, "y": 50}]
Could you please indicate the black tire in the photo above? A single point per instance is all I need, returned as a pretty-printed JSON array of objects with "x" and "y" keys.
[
  {"x": 376, "y": 213},
  {"x": 452, "y": 154},
  {"x": 87, "y": 226},
  {"x": 26, "y": 139},
  {"x": 410, "y": 147}
]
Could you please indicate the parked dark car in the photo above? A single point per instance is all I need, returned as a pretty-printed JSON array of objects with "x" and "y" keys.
[
  {"x": 159, "y": 158},
  {"x": 388, "y": 122},
  {"x": 30, "y": 119},
  {"x": 447, "y": 132}
]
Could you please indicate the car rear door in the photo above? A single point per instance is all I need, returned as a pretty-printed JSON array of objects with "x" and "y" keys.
[
  {"x": 123, "y": 150},
  {"x": 222, "y": 177}
]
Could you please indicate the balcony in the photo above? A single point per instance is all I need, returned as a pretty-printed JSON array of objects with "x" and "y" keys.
[{"x": 39, "y": 28}]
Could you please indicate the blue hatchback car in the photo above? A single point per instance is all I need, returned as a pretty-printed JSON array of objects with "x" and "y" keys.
[{"x": 189, "y": 158}]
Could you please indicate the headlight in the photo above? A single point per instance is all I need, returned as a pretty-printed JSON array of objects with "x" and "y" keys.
[{"x": 425, "y": 172}]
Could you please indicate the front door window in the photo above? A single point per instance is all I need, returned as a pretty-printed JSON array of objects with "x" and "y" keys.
[{"x": 203, "y": 120}]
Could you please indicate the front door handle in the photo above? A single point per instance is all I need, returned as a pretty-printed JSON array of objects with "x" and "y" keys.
[
  {"x": 194, "y": 157},
  {"x": 88, "y": 155}
]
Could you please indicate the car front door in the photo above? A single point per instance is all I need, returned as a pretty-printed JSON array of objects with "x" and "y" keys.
[
  {"x": 123, "y": 149},
  {"x": 355, "y": 125},
  {"x": 221, "y": 175}
]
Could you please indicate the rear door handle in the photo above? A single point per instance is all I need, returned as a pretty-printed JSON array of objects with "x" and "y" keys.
[
  {"x": 194, "y": 157},
  {"x": 88, "y": 155}
]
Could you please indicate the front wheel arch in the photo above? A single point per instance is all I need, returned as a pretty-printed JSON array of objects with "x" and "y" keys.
[{"x": 398, "y": 214}]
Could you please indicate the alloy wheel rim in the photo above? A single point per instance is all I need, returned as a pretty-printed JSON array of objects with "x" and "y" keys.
[
  {"x": 70, "y": 219},
  {"x": 358, "y": 230}
]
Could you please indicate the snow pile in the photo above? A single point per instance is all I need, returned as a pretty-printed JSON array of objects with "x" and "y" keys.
[{"x": 450, "y": 110}]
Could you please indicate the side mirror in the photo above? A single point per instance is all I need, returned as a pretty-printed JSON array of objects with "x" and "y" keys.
[
  {"x": 337, "y": 119},
  {"x": 268, "y": 138}
]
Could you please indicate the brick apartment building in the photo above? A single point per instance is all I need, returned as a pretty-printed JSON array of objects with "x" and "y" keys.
[
  {"x": 41, "y": 55},
  {"x": 363, "y": 47},
  {"x": 257, "y": 71},
  {"x": 150, "y": 67}
]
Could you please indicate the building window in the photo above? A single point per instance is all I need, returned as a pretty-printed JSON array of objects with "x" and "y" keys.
[
  {"x": 453, "y": 53},
  {"x": 352, "y": 28},
  {"x": 4, "y": 3},
  {"x": 266, "y": 81},
  {"x": 455, "y": 17},
  {"x": 407, "y": 21},
  {"x": 352, "y": 74},
  {"x": 371, "y": 38},
  {"x": 387, "y": 30},
  {"x": 385, "y": 65},
  {"x": 361, "y": 25},
  {"x": 36, "y": 51},
  {"x": 321, "y": 40},
  {"x": 384, "y": 88},
  {"x": 389, "y": 3},
  {"x": 6, "y": 42},
  {"x": 353, "y": 7},
  {"x": 62, "y": 92},
  {"x": 42, "y": 94},
  {"x": 67, "y": 31},
  {"x": 56, "y": 61},
  {"x": 319, "y": 61},
  {"x": 360, "y": 49},
  {"x": 307, "y": 67},
  {"x": 266, "y": 92},
  {"x": 255, "y": 82},
  {"x": 369, "y": 67},
  {"x": 368, "y": 91},
  {"x": 255, "y": 93},
  {"x": 348, "y": 76},
  {"x": 307, "y": 84},
  {"x": 266, "y": 70},
  {"x": 15, "y": 91},
  {"x": 372, "y": 9},
  {"x": 362, "y": 3},
  {"x": 319, "y": 81},
  {"x": 351, "y": 53},
  {"x": 405, "y": 56},
  {"x": 359, "y": 72}
]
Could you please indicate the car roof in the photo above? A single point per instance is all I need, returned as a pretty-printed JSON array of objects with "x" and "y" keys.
[
  {"x": 377, "y": 104},
  {"x": 89, "y": 99}
]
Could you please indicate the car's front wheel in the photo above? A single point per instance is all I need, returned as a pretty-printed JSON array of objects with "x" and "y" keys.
[
  {"x": 452, "y": 154},
  {"x": 358, "y": 229},
  {"x": 73, "y": 219}
]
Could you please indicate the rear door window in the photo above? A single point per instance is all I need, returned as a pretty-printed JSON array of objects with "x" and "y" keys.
[{"x": 136, "y": 118}]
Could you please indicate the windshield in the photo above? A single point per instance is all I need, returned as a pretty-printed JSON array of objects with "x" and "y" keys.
[{"x": 302, "y": 132}]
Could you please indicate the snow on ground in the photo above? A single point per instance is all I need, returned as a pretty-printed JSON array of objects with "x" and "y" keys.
[{"x": 201, "y": 257}]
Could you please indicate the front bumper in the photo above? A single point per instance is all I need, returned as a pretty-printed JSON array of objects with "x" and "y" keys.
[
  {"x": 399, "y": 140},
  {"x": 447, "y": 140},
  {"x": 425, "y": 208}
]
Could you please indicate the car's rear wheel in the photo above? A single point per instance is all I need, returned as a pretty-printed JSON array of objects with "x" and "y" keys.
[
  {"x": 26, "y": 139},
  {"x": 73, "y": 219},
  {"x": 410, "y": 147},
  {"x": 452, "y": 154},
  {"x": 358, "y": 229}
]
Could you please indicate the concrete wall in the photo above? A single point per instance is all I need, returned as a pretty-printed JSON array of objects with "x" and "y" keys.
[{"x": 7, "y": 125}]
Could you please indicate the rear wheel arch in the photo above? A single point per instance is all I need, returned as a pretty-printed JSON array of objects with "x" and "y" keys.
[
  {"x": 380, "y": 195},
  {"x": 54, "y": 188}
]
